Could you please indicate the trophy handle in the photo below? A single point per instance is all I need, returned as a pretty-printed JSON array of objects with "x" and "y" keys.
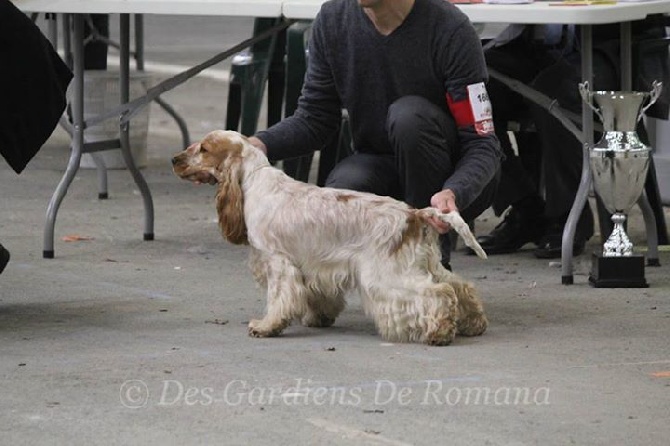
[
  {"x": 656, "y": 88},
  {"x": 586, "y": 97}
]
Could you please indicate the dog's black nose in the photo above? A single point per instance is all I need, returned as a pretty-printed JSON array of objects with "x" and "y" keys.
[{"x": 174, "y": 160}]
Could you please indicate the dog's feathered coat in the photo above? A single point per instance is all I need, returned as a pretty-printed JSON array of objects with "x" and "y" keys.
[{"x": 311, "y": 245}]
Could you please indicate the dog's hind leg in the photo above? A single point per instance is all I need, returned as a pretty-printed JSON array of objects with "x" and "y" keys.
[
  {"x": 411, "y": 308},
  {"x": 427, "y": 316},
  {"x": 471, "y": 320},
  {"x": 323, "y": 310},
  {"x": 286, "y": 298}
]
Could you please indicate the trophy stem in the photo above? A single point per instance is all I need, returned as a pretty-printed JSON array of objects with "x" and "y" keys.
[{"x": 618, "y": 244}]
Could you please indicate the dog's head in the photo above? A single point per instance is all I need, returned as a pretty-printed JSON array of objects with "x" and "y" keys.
[
  {"x": 208, "y": 160},
  {"x": 218, "y": 159}
]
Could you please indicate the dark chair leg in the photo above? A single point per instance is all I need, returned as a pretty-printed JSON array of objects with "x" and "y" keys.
[
  {"x": 276, "y": 80},
  {"x": 234, "y": 106},
  {"x": 296, "y": 64},
  {"x": 249, "y": 75}
]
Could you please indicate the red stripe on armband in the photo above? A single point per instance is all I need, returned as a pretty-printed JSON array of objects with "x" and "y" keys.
[{"x": 461, "y": 111}]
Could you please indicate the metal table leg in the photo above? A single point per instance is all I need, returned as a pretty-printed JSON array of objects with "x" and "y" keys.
[
  {"x": 585, "y": 182},
  {"x": 78, "y": 126},
  {"x": 77, "y": 105},
  {"x": 126, "y": 110},
  {"x": 125, "y": 127}
]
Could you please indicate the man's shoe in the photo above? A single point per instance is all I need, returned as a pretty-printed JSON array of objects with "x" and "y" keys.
[
  {"x": 4, "y": 258},
  {"x": 512, "y": 233},
  {"x": 551, "y": 246}
]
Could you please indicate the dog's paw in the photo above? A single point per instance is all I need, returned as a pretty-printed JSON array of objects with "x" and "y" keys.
[
  {"x": 259, "y": 329},
  {"x": 473, "y": 324},
  {"x": 444, "y": 334}
]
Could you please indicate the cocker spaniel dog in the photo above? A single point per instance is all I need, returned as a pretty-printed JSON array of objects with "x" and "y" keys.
[{"x": 310, "y": 246}]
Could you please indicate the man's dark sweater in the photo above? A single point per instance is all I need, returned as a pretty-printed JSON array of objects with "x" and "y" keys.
[{"x": 435, "y": 51}]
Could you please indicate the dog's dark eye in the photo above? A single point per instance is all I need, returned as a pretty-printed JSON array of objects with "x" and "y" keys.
[{"x": 203, "y": 148}]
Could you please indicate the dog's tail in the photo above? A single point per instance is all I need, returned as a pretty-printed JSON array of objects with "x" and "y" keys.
[{"x": 455, "y": 220}]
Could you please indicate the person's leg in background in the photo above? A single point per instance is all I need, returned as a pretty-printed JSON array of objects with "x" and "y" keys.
[
  {"x": 366, "y": 172},
  {"x": 519, "y": 185},
  {"x": 562, "y": 151}
]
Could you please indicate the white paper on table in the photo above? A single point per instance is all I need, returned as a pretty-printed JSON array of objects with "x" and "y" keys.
[{"x": 511, "y": 2}]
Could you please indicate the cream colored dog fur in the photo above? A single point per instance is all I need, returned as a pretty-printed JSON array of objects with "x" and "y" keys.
[{"x": 311, "y": 246}]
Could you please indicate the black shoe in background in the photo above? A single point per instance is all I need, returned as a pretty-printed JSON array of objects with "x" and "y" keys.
[
  {"x": 516, "y": 229},
  {"x": 551, "y": 245},
  {"x": 4, "y": 258}
]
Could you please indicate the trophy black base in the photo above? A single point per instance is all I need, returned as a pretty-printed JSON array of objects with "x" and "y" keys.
[{"x": 617, "y": 272}]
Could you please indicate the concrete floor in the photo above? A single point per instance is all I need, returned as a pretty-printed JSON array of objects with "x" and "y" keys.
[{"x": 122, "y": 341}]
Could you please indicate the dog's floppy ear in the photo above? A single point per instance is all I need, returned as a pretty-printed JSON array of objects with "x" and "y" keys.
[{"x": 230, "y": 202}]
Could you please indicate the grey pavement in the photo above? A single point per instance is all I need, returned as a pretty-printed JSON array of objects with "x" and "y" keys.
[{"x": 123, "y": 341}]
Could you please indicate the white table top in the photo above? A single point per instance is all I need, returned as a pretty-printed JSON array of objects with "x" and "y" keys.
[
  {"x": 537, "y": 12},
  {"x": 240, "y": 8}
]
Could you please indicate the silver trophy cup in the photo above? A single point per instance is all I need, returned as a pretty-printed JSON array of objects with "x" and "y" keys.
[{"x": 619, "y": 161}]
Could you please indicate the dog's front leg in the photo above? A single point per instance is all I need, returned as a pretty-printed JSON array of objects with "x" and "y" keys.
[{"x": 286, "y": 298}]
